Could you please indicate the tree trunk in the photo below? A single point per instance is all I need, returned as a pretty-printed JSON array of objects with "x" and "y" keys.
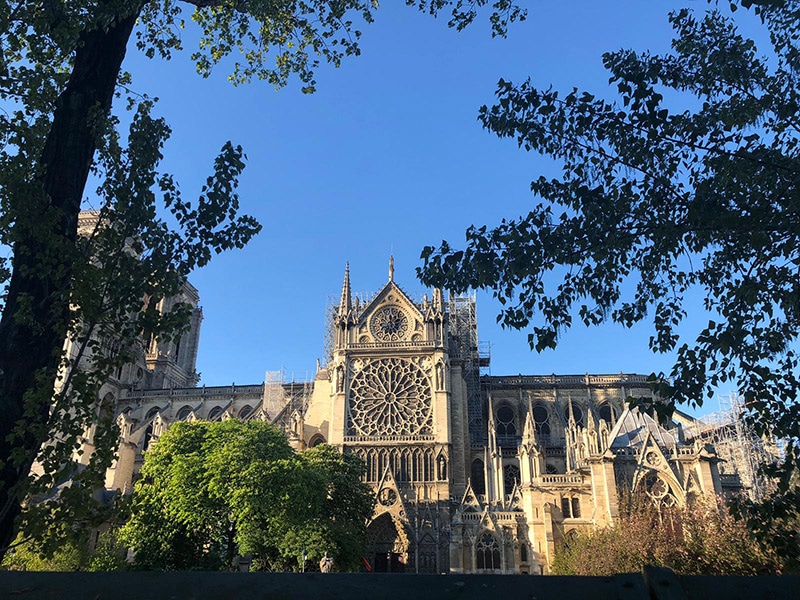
[{"x": 36, "y": 314}]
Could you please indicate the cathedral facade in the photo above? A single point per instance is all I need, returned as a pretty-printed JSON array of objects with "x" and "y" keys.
[{"x": 472, "y": 473}]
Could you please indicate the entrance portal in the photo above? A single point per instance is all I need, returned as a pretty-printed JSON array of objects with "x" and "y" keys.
[
  {"x": 389, "y": 562},
  {"x": 387, "y": 546}
]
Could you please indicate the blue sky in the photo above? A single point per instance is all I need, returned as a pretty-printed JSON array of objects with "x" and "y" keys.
[{"x": 385, "y": 158}]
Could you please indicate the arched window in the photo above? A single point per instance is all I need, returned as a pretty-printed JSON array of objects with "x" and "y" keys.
[
  {"x": 541, "y": 420},
  {"x": 658, "y": 489},
  {"x": 576, "y": 508},
  {"x": 577, "y": 414},
  {"x": 215, "y": 413},
  {"x": 477, "y": 477},
  {"x": 510, "y": 477},
  {"x": 487, "y": 553},
  {"x": 246, "y": 411},
  {"x": 506, "y": 426},
  {"x": 184, "y": 413},
  {"x": 607, "y": 413},
  {"x": 404, "y": 473},
  {"x": 316, "y": 441},
  {"x": 570, "y": 537},
  {"x": 428, "y": 473}
]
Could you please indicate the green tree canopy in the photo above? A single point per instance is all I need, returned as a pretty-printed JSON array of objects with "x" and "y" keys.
[
  {"x": 654, "y": 202},
  {"x": 60, "y": 68},
  {"x": 211, "y": 491}
]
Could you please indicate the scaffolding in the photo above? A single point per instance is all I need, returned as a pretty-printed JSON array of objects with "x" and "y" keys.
[
  {"x": 743, "y": 453},
  {"x": 463, "y": 326},
  {"x": 282, "y": 398}
]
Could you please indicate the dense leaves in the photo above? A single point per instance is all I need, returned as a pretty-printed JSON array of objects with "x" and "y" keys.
[
  {"x": 654, "y": 202},
  {"x": 106, "y": 553},
  {"x": 697, "y": 540},
  {"x": 209, "y": 492}
]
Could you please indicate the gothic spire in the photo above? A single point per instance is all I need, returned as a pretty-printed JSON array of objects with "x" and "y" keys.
[
  {"x": 529, "y": 429},
  {"x": 391, "y": 268},
  {"x": 346, "y": 302},
  {"x": 492, "y": 431}
]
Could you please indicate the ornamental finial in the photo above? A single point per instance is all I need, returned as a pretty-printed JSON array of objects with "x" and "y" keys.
[{"x": 391, "y": 268}]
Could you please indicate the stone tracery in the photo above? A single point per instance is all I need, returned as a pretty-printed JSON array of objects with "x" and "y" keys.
[
  {"x": 390, "y": 397},
  {"x": 389, "y": 324}
]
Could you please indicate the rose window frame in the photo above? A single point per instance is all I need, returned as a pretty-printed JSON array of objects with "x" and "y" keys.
[
  {"x": 389, "y": 324},
  {"x": 390, "y": 397}
]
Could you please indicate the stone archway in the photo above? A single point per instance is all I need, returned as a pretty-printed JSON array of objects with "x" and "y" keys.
[{"x": 387, "y": 545}]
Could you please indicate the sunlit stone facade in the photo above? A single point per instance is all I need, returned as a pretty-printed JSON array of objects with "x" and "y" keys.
[{"x": 472, "y": 473}]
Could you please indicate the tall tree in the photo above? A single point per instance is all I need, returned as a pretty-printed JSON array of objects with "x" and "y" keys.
[
  {"x": 653, "y": 202},
  {"x": 60, "y": 65},
  {"x": 211, "y": 491}
]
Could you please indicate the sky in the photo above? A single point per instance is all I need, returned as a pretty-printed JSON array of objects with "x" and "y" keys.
[{"x": 385, "y": 158}]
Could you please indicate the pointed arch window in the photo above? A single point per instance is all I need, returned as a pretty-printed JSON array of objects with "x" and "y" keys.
[
  {"x": 246, "y": 411},
  {"x": 541, "y": 420},
  {"x": 316, "y": 441},
  {"x": 577, "y": 414},
  {"x": 607, "y": 413},
  {"x": 571, "y": 507},
  {"x": 511, "y": 477},
  {"x": 184, "y": 412},
  {"x": 506, "y": 426},
  {"x": 487, "y": 553},
  {"x": 477, "y": 478}
]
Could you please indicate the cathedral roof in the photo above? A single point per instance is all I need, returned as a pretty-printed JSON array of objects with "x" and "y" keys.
[{"x": 632, "y": 428}]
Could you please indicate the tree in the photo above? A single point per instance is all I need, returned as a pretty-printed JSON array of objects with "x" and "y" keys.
[
  {"x": 211, "y": 491},
  {"x": 324, "y": 509},
  {"x": 653, "y": 202},
  {"x": 696, "y": 540},
  {"x": 60, "y": 67},
  {"x": 107, "y": 554}
]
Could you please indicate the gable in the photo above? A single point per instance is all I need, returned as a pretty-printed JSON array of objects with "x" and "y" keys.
[{"x": 391, "y": 316}]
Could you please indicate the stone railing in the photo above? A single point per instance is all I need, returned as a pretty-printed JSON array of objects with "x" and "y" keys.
[
  {"x": 398, "y": 344},
  {"x": 568, "y": 380},
  {"x": 227, "y": 390},
  {"x": 386, "y": 439},
  {"x": 553, "y": 479}
]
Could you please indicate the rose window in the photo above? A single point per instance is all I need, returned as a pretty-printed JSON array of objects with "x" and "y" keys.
[
  {"x": 388, "y": 397},
  {"x": 389, "y": 324}
]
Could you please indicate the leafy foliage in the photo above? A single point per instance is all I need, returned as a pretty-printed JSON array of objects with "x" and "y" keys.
[
  {"x": 121, "y": 270},
  {"x": 698, "y": 540},
  {"x": 211, "y": 491},
  {"x": 653, "y": 203},
  {"x": 73, "y": 555}
]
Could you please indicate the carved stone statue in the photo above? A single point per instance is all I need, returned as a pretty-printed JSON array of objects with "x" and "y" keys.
[{"x": 326, "y": 564}]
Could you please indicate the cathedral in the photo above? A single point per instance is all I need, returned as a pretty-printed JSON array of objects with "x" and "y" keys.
[{"x": 472, "y": 473}]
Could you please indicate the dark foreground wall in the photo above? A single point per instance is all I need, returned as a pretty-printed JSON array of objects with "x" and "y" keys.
[{"x": 655, "y": 584}]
